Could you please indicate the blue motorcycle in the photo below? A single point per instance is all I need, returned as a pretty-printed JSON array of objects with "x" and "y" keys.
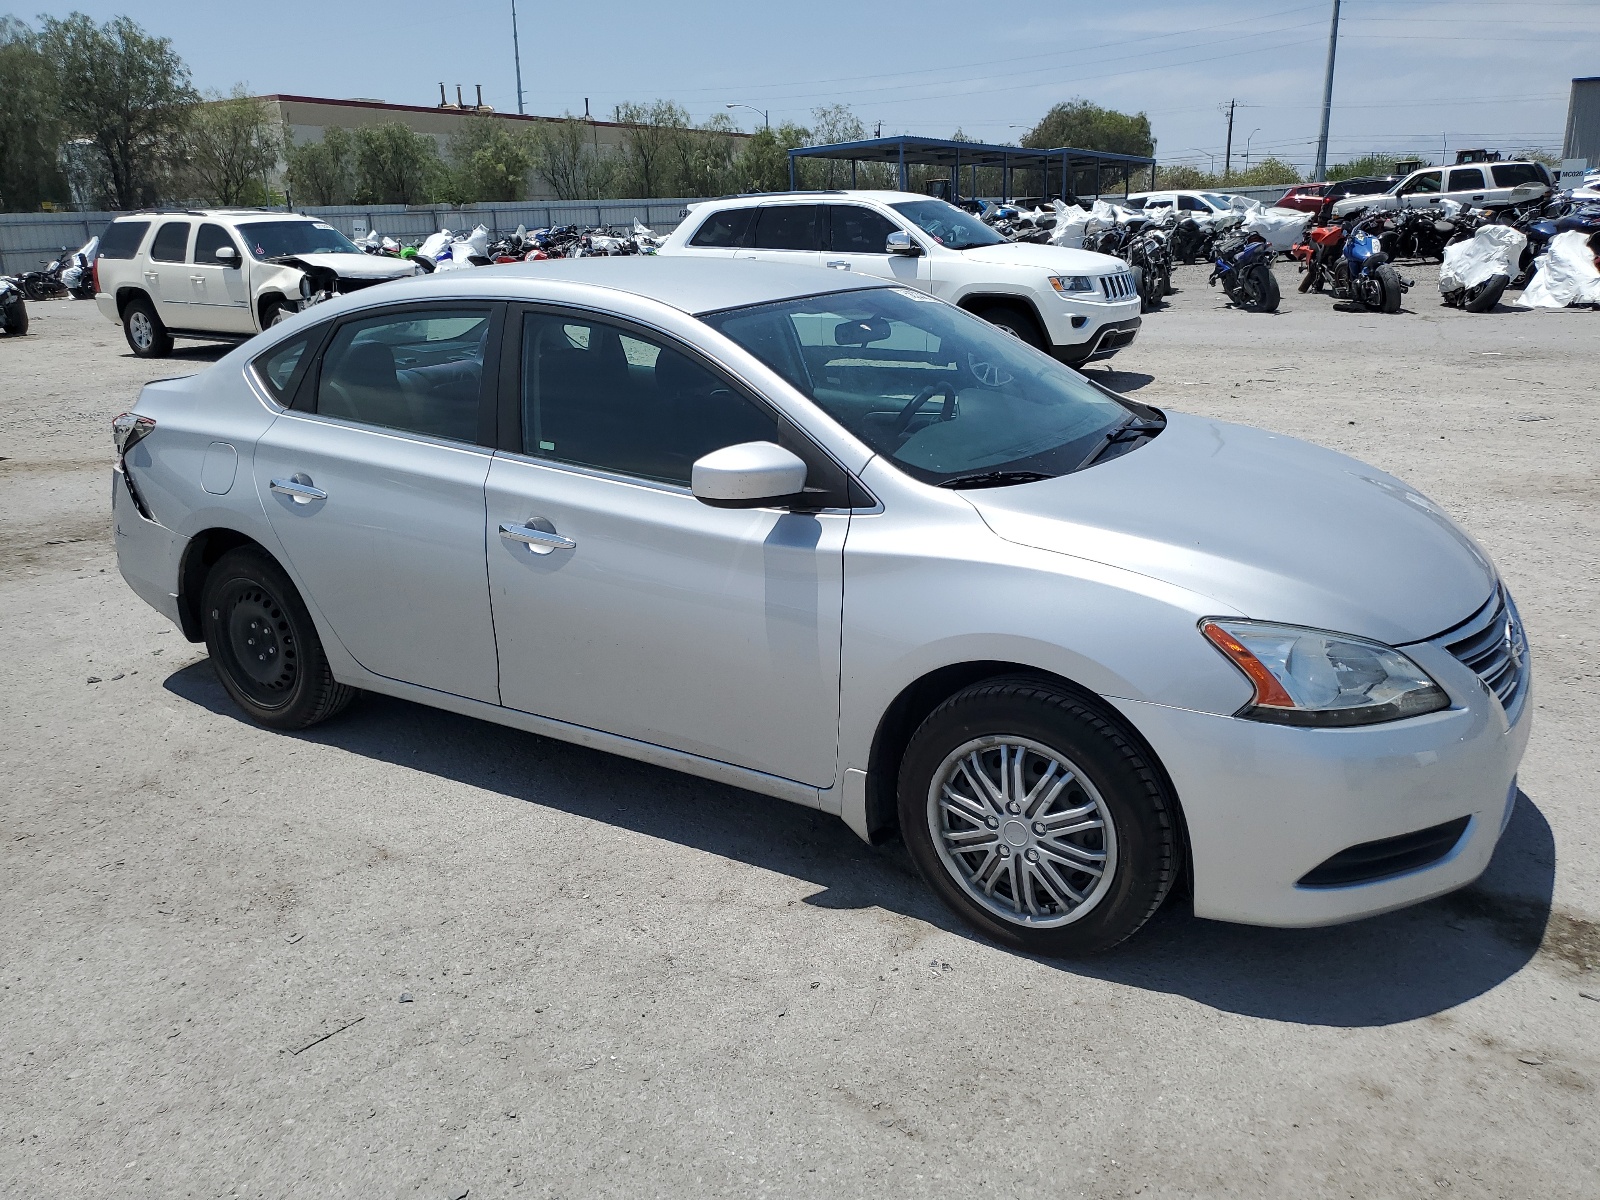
[
  {"x": 1363, "y": 272},
  {"x": 1244, "y": 268}
]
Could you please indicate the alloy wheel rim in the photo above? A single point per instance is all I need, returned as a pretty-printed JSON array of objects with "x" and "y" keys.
[
  {"x": 139, "y": 326},
  {"x": 1023, "y": 831}
]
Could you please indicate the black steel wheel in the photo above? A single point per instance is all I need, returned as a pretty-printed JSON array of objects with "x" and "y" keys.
[{"x": 264, "y": 646}]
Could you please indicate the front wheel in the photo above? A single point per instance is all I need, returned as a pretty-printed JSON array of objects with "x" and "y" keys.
[
  {"x": 263, "y": 645},
  {"x": 1014, "y": 323},
  {"x": 1036, "y": 819},
  {"x": 1388, "y": 288},
  {"x": 17, "y": 316},
  {"x": 1487, "y": 294},
  {"x": 1258, "y": 290}
]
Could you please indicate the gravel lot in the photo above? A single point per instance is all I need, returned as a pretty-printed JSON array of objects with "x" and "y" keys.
[{"x": 541, "y": 971}]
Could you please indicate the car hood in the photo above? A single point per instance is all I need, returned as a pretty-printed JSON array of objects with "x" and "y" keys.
[
  {"x": 1060, "y": 260},
  {"x": 352, "y": 266},
  {"x": 1266, "y": 525}
]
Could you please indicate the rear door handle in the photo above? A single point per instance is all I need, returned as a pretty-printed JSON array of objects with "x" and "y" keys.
[
  {"x": 840, "y": 264},
  {"x": 298, "y": 489},
  {"x": 539, "y": 540}
]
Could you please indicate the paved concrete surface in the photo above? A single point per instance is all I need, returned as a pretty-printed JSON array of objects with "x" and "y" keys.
[{"x": 624, "y": 982}]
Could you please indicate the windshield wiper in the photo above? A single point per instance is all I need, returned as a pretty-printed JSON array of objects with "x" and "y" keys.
[
  {"x": 982, "y": 479},
  {"x": 1129, "y": 430}
]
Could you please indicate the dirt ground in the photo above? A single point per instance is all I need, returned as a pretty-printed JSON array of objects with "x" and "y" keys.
[{"x": 408, "y": 953}]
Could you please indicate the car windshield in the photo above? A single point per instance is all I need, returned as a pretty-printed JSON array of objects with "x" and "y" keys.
[
  {"x": 940, "y": 393},
  {"x": 274, "y": 239},
  {"x": 1222, "y": 203},
  {"x": 948, "y": 225}
]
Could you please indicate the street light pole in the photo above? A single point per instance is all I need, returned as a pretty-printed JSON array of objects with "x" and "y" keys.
[
  {"x": 1321, "y": 172},
  {"x": 766, "y": 124},
  {"x": 1253, "y": 132}
]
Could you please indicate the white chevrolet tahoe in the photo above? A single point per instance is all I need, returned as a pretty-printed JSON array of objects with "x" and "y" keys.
[
  {"x": 1471, "y": 185},
  {"x": 1074, "y": 304},
  {"x": 224, "y": 274}
]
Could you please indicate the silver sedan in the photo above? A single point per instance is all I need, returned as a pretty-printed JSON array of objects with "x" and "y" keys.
[{"x": 838, "y": 542}]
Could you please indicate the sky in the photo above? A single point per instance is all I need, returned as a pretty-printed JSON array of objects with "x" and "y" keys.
[{"x": 1413, "y": 76}]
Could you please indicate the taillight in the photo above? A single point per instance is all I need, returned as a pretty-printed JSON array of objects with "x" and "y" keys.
[
  {"x": 94, "y": 273},
  {"x": 128, "y": 430}
]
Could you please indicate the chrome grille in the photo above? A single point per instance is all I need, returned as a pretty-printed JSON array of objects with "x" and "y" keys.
[
  {"x": 1118, "y": 286},
  {"x": 1492, "y": 643}
]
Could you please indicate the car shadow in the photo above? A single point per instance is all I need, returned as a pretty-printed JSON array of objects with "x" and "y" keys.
[
  {"x": 1399, "y": 967},
  {"x": 207, "y": 352},
  {"x": 1118, "y": 381}
]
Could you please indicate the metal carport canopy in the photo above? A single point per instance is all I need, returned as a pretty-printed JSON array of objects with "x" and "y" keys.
[{"x": 907, "y": 150}]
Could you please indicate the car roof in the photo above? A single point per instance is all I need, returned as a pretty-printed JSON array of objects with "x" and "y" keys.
[
  {"x": 883, "y": 197},
  {"x": 691, "y": 284}
]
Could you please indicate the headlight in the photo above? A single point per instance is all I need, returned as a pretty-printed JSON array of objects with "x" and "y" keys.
[
  {"x": 1312, "y": 677},
  {"x": 305, "y": 287},
  {"x": 1069, "y": 284}
]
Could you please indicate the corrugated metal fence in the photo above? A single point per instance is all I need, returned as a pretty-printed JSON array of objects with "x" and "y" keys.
[{"x": 26, "y": 238}]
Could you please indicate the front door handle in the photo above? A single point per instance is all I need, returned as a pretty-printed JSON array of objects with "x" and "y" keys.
[
  {"x": 298, "y": 489},
  {"x": 539, "y": 540}
]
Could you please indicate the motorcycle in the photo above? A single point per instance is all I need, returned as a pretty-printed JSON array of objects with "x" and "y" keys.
[
  {"x": 45, "y": 284},
  {"x": 13, "y": 306},
  {"x": 1244, "y": 267},
  {"x": 1562, "y": 215},
  {"x": 1349, "y": 259},
  {"x": 1475, "y": 273}
]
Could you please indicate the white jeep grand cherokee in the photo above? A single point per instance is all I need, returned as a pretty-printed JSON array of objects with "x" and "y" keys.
[
  {"x": 224, "y": 274},
  {"x": 1077, "y": 305}
]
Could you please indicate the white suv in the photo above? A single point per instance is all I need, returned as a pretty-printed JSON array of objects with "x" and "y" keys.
[
  {"x": 1472, "y": 185},
  {"x": 224, "y": 274},
  {"x": 1074, "y": 304}
]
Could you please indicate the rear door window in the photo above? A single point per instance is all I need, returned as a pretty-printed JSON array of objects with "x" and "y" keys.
[
  {"x": 722, "y": 229},
  {"x": 172, "y": 242},
  {"x": 419, "y": 371},
  {"x": 786, "y": 227},
  {"x": 281, "y": 367},
  {"x": 1466, "y": 179},
  {"x": 121, "y": 238}
]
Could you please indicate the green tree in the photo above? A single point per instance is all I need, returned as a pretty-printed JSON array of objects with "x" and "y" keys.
[
  {"x": 490, "y": 160},
  {"x": 396, "y": 166},
  {"x": 1085, "y": 126},
  {"x": 1269, "y": 172},
  {"x": 763, "y": 161},
  {"x": 29, "y": 127},
  {"x": 700, "y": 159},
  {"x": 1369, "y": 164},
  {"x": 1181, "y": 177},
  {"x": 650, "y": 132},
  {"x": 229, "y": 146},
  {"x": 322, "y": 172},
  {"x": 125, "y": 90},
  {"x": 568, "y": 159},
  {"x": 830, "y": 125}
]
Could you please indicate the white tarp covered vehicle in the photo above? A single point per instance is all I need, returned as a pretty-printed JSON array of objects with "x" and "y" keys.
[
  {"x": 1566, "y": 274},
  {"x": 1475, "y": 272},
  {"x": 1282, "y": 227}
]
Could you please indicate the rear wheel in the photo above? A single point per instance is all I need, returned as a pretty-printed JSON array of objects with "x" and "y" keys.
[
  {"x": 1258, "y": 290},
  {"x": 1036, "y": 819},
  {"x": 263, "y": 645},
  {"x": 1487, "y": 294},
  {"x": 147, "y": 336},
  {"x": 1021, "y": 327},
  {"x": 17, "y": 315},
  {"x": 1389, "y": 290}
]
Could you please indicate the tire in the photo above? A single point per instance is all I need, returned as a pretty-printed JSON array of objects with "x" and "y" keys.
[
  {"x": 1486, "y": 295},
  {"x": 1021, "y": 327},
  {"x": 1389, "y": 285},
  {"x": 17, "y": 317},
  {"x": 147, "y": 336},
  {"x": 273, "y": 312},
  {"x": 1258, "y": 290},
  {"x": 1124, "y": 818},
  {"x": 250, "y": 609}
]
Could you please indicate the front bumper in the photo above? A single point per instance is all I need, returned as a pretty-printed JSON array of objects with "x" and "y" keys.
[
  {"x": 1107, "y": 339},
  {"x": 149, "y": 555},
  {"x": 1268, "y": 804}
]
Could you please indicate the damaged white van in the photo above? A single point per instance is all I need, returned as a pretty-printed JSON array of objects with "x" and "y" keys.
[{"x": 224, "y": 274}]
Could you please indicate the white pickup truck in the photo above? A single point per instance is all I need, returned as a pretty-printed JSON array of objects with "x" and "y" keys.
[
  {"x": 1472, "y": 185},
  {"x": 1077, "y": 305}
]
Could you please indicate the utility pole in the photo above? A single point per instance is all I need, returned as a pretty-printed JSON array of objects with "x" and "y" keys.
[
  {"x": 1227, "y": 154},
  {"x": 516, "y": 53},
  {"x": 1321, "y": 172}
]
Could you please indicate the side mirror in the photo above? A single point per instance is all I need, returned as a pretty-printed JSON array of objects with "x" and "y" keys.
[
  {"x": 227, "y": 256},
  {"x": 901, "y": 242},
  {"x": 749, "y": 475}
]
